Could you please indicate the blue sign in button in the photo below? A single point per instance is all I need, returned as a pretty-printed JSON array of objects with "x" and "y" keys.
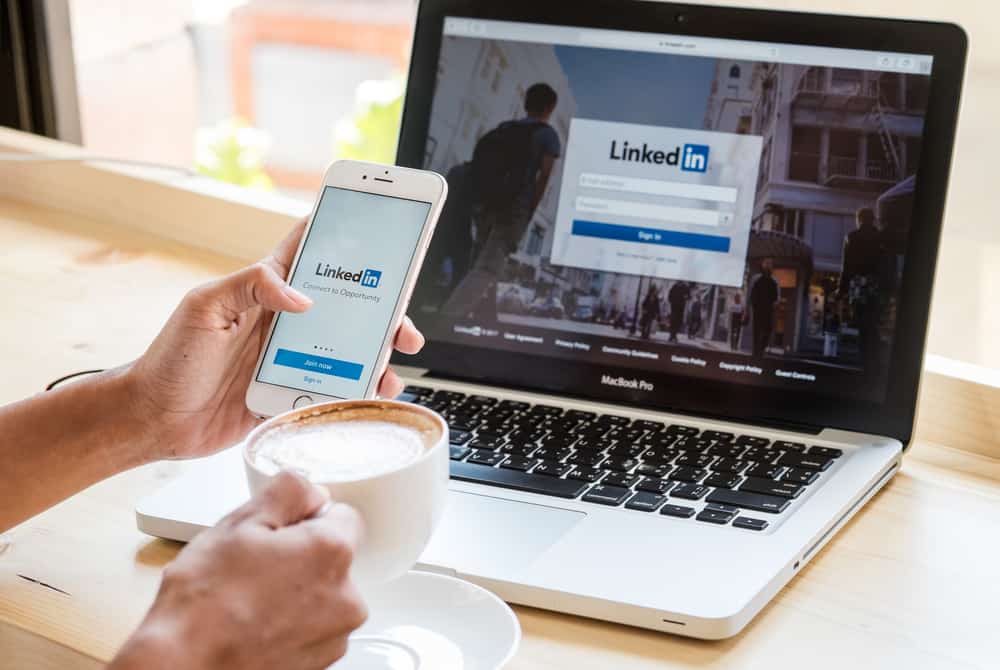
[
  {"x": 643, "y": 235},
  {"x": 320, "y": 364}
]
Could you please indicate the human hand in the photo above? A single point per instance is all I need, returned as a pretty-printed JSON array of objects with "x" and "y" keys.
[
  {"x": 190, "y": 386},
  {"x": 268, "y": 587}
]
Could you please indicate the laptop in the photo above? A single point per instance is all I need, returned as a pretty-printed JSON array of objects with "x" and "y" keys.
[{"x": 677, "y": 303}]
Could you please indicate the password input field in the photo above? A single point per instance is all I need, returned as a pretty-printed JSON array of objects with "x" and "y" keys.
[
  {"x": 652, "y": 212},
  {"x": 659, "y": 187}
]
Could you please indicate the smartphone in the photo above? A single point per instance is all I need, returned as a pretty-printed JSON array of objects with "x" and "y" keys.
[{"x": 358, "y": 260}]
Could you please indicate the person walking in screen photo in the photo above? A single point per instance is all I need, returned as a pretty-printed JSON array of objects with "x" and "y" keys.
[
  {"x": 763, "y": 296},
  {"x": 864, "y": 258},
  {"x": 510, "y": 169},
  {"x": 650, "y": 311},
  {"x": 736, "y": 316},
  {"x": 677, "y": 297}
]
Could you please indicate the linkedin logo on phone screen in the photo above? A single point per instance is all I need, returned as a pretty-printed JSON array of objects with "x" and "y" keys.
[{"x": 353, "y": 266}]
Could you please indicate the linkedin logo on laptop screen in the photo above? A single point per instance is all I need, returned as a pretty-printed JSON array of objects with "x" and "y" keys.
[{"x": 736, "y": 211}]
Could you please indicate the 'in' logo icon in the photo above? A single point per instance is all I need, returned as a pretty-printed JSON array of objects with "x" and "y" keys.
[
  {"x": 371, "y": 278},
  {"x": 695, "y": 158}
]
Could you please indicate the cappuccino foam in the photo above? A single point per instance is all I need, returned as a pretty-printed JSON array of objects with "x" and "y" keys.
[{"x": 338, "y": 450}]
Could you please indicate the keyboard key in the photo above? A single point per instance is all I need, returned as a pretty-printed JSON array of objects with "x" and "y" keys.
[
  {"x": 732, "y": 465},
  {"x": 607, "y": 495},
  {"x": 683, "y": 474},
  {"x": 553, "y": 453},
  {"x": 727, "y": 509},
  {"x": 789, "y": 446},
  {"x": 514, "y": 405},
  {"x": 803, "y": 477},
  {"x": 651, "y": 470},
  {"x": 448, "y": 396},
  {"x": 659, "y": 439},
  {"x": 772, "y": 488},
  {"x": 645, "y": 502},
  {"x": 585, "y": 474},
  {"x": 546, "y": 410},
  {"x": 828, "y": 452},
  {"x": 626, "y": 435},
  {"x": 557, "y": 441},
  {"x": 747, "y": 500},
  {"x": 593, "y": 444},
  {"x": 491, "y": 443},
  {"x": 658, "y": 456},
  {"x": 621, "y": 479},
  {"x": 677, "y": 510},
  {"x": 519, "y": 481},
  {"x": 717, "y": 435},
  {"x": 519, "y": 463},
  {"x": 693, "y": 444},
  {"x": 418, "y": 390},
  {"x": 588, "y": 458},
  {"x": 750, "y": 523},
  {"x": 613, "y": 420},
  {"x": 723, "y": 480},
  {"x": 682, "y": 430},
  {"x": 486, "y": 457},
  {"x": 726, "y": 450},
  {"x": 712, "y": 516},
  {"x": 482, "y": 400},
  {"x": 764, "y": 471},
  {"x": 752, "y": 441},
  {"x": 459, "y": 437},
  {"x": 580, "y": 415},
  {"x": 805, "y": 462},
  {"x": 592, "y": 431},
  {"x": 620, "y": 464},
  {"x": 552, "y": 469},
  {"x": 458, "y": 453},
  {"x": 689, "y": 491},
  {"x": 651, "y": 426},
  {"x": 695, "y": 460},
  {"x": 761, "y": 455},
  {"x": 519, "y": 448},
  {"x": 654, "y": 485}
]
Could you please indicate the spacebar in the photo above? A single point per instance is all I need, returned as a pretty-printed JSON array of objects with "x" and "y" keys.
[{"x": 519, "y": 481}]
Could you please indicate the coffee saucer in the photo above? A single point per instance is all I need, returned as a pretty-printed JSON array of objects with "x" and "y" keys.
[{"x": 425, "y": 621}]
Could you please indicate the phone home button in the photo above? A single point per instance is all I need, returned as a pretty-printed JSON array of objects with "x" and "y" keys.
[{"x": 302, "y": 401}]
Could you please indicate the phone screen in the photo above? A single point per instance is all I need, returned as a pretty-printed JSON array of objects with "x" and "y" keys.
[{"x": 353, "y": 265}]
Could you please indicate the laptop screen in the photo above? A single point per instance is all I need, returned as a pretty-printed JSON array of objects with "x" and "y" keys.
[{"x": 695, "y": 207}]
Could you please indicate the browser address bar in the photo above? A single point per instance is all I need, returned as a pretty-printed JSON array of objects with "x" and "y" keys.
[{"x": 677, "y": 45}]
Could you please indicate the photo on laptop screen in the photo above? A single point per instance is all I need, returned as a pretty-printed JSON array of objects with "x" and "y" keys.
[{"x": 728, "y": 210}]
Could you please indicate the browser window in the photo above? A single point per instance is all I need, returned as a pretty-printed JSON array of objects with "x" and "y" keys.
[{"x": 706, "y": 207}]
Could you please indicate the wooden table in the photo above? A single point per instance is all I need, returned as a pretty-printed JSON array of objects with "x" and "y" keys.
[{"x": 912, "y": 582}]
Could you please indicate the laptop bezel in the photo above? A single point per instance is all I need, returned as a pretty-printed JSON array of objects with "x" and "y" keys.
[{"x": 796, "y": 410}]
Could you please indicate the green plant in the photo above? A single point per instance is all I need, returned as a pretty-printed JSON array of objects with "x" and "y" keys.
[
  {"x": 233, "y": 152},
  {"x": 371, "y": 133}
]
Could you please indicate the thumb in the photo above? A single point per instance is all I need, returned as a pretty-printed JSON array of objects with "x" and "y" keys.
[
  {"x": 256, "y": 285},
  {"x": 288, "y": 499}
]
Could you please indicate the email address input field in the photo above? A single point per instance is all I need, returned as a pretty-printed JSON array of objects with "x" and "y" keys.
[
  {"x": 659, "y": 187},
  {"x": 653, "y": 212}
]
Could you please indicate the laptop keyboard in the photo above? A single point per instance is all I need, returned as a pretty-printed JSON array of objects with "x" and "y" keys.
[{"x": 611, "y": 460}]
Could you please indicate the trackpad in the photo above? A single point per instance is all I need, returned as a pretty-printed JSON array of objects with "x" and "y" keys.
[{"x": 495, "y": 537}]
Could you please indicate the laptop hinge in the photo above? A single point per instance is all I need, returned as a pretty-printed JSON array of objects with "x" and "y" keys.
[{"x": 760, "y": 421}]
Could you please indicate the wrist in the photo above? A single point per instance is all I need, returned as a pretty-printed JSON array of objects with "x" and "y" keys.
[{"x": 125, "y": 398}]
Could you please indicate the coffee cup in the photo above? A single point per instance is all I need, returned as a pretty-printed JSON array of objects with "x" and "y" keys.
[{"x": 392, "y": 467}]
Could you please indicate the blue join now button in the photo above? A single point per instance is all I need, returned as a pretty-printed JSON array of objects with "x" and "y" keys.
[
  {"x": 320, "y": 364},
  {"x": 669, "y": 238}
]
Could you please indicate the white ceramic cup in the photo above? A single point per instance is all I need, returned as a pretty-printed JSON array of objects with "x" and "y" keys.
[{"x": 400, "y": 508}]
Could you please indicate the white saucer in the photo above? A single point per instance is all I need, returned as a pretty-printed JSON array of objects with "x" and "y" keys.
[{"x": 424, "y": 621}]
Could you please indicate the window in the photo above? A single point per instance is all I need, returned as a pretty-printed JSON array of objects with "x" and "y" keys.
[
  {"x": 803, "y": 164},
  {"x": 845, "y": 146},
  {"x": 734, "y": 72},
  {"x": 263, "y": 93}
]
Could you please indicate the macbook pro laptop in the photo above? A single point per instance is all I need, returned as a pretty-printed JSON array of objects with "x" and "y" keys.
[{"x": 677, "y": 302}]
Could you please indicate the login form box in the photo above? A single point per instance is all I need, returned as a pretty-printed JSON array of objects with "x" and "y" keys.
[{"x": 656, "y": 201}]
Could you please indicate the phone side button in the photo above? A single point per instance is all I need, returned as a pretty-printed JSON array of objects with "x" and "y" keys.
[{"x": 302, "y": 401}]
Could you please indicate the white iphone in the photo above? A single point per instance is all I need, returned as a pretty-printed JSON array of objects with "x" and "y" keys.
[{"x": 358, "y": 261}]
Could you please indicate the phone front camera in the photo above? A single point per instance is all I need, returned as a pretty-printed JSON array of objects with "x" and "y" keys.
[{"x": 364, "y": 176}]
